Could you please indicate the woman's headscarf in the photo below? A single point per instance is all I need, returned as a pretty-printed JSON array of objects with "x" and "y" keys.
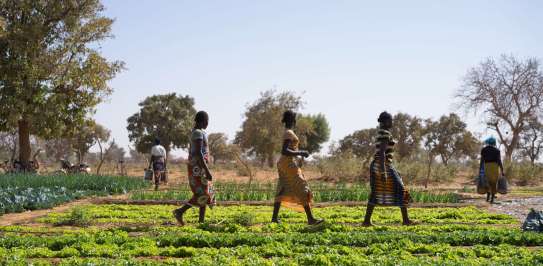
[{"x": 491, "y": 141}]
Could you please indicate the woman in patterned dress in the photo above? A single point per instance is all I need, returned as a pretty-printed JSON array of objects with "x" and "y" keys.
[
  {"x": 200, "y": 178},
  {"x": 386, "y": 184},
  {"x": 292, "y": 188}
]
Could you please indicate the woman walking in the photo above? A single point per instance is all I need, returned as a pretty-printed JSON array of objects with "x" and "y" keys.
[
  {"x": 200, "y": 178},
  {"x": 387, "y": 188},
  {"x": 292, "y": 188},
  {"x": 491, "y": 165}
]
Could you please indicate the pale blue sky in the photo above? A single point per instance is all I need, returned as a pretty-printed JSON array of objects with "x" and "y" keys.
[{"x": 353, "y": 59}]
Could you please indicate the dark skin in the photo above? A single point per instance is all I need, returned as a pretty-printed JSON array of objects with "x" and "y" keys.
[
  {"x": 383, "y": 146},
  {"x": 157, "y": 174},
  {"x": 287, "y": 151},
  {"x": 491, "y": 197},
  {"x": 201, "y": 160}
]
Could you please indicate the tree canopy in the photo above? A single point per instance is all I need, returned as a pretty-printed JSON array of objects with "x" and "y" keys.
[
  {"x": 51, "y": 72},
  {"x": 168, "y": 117},
  {"x": 262, "y": 131}
]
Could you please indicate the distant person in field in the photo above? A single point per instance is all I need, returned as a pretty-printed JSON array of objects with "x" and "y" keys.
[
  {"x": 491, "y": 164},
  {"x": 200, "y": 178},
  {"x": 387, "y": 188},
  {"x": 158, "y": 162},
  {"x": 292, "y": 188}
]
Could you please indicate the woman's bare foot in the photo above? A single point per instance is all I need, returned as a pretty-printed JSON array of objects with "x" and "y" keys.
[
  {"x": 179, "y": 217},
  {"x": 276, "y": 221},
  {"x": 315, "y": 221}
]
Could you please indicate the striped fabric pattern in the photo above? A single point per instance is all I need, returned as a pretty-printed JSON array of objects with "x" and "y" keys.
[{"x": 387, "y": 188}]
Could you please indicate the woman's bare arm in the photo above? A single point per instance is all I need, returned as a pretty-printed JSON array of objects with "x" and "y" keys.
[
  {"x": 289, "y": 152},
  {"x": 199, "y": 143}
]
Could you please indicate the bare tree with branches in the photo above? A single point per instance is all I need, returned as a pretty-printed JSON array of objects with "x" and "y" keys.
[
  {"x": 509, "y": 91},
  {"x": 531, "y": 144}
]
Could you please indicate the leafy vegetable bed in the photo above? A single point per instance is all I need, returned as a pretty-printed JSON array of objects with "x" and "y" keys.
[
  {"x": 266, "y": 191},
  {"x": 242, "y": 235},
  {"x": 30, "y": 192}
]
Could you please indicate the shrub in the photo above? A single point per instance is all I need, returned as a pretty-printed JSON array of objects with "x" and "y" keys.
[{"x": 244, "y": 218}]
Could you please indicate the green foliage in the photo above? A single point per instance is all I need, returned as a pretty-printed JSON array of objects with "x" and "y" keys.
[
  {"x": 342, "y": 166},
  {"x": 361, "y": 144},
  {"x": 314, "y": 131},
  {"x": 51, "y": 73},
  {"x": 450, "y": 139},
  {"x": 525, "y": 174},
  {"x": 261, "y": 132},
  {"x": 322, "y": 192},
  {"x": 169, "y": 117},
  {"x": 244, "y": 218},
  {"x": 407, "y": 132},
  {"x": 77, "y": 217},
  {"x": 30, "y": 192},
  {"x": 442, "y": 238}
]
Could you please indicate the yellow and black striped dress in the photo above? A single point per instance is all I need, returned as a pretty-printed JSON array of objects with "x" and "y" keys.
[{"x": 387, "y": 188}]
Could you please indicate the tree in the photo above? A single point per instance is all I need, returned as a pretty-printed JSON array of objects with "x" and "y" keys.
[
  {"x": 51, "y": 71},
  {"x": 407, "y": 132},
  {"x": 58, "y": 149},
  {"x": 136, "y": 156},
  {"x": 531, "y": 143},
  {"x": 218, "y": 147},
  {"x": 361, "y": 144},
  {"x": 314, "y": 131},
  {"x": 8, "y": 145},
  {"x": 168, "y": 117},
  {"x": 86, "y": 136},
  {"x": 451, "y": 139},
  {"x": 509, "y": 91},
  {"x": 261, "y": 132}
]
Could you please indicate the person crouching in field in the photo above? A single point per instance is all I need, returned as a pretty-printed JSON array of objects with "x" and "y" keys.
[
  {"x": 491, "y": 164},
  {"x": 200, "y": 178},
  {"x": 387, "y": 188},
  {"x": 292, "y": 188}
]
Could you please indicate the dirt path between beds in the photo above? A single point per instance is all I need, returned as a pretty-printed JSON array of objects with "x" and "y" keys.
[{"x": 518, "y": 207}]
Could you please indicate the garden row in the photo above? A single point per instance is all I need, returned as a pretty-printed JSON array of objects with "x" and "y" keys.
[
  {"x": 242, "y": 235},
  {"x": 31, "y": 192},
  {"x": 322, "y": 192}
]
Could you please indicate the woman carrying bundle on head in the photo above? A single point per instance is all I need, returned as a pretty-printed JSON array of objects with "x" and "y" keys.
[
  {"x": 387, "y": 188},
  {"x": 200, "y": 178},
  {"x": 292, "y": 188},
  {"x": 492, "y": 167}
]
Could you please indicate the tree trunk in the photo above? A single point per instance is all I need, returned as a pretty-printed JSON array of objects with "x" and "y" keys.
[
  {"x": 429, "y": 171},
  {"x": 24, "y": 143},
  {"x": 271, "y": 160},
  {"x": 101, "y": 161}
]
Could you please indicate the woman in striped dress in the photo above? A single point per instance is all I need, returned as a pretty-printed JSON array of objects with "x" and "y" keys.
[{"x": 386, "y": 184}]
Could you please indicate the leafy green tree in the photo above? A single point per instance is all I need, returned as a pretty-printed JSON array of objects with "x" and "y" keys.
[
  {"x": 51, "y": 71},
  {"x": 87, "y": 136},
  {"x": 407, "y": 133},
  {"x": 168, "y": 117},
  {"x": 314, "y": 130},
  {"x": 360, "y": 143},
  {"x": 449, "y": 138},
  {"x": 261, "y": 132},
  {"x": 219, "y": 147}
]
